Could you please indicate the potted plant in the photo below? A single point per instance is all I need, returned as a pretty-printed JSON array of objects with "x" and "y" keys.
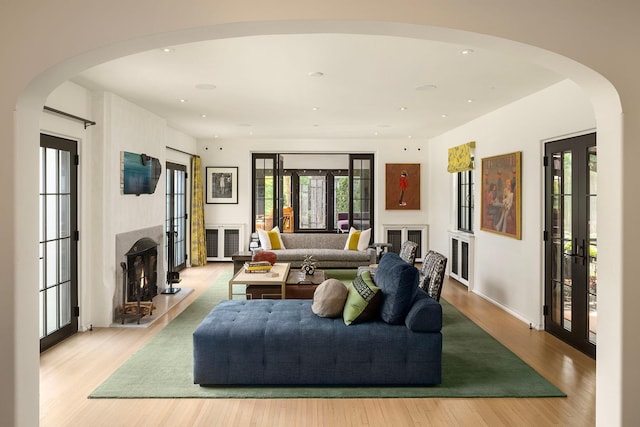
[{"x": 309, "y": 265}]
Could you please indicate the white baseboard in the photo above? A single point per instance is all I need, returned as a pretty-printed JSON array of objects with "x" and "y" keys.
[{"x": 531, "y": 324}]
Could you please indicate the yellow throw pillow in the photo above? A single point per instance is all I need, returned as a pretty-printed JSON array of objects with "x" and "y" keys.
[
  {"x": 274, "y": 239},
  {"x": 354, "y": 238}
]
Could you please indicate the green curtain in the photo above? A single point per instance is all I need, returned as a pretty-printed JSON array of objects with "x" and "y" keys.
[
  {"x": 198, "y": 239},
  {"x": 461, "y": 158}
]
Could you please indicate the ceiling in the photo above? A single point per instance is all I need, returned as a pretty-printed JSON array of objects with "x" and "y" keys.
[{"x": 318, "y": 86}]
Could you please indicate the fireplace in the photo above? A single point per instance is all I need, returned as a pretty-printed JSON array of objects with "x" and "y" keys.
[{"x": 139, "y": 280}]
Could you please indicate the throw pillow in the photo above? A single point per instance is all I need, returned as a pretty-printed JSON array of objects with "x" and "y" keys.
[
  {"x": 329, "y": 298},
  {"x": 358, "y": 240},
  {"x": 363, "y": 300},
  {"x": 271, "y": 239},
  {"x": 398, "y": 282}
]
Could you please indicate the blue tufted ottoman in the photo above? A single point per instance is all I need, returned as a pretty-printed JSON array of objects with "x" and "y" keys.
[{"x": 282, "y": 342}]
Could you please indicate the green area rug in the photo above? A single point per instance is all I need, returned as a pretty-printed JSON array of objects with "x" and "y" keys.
[{"x": 473, "y": 365}]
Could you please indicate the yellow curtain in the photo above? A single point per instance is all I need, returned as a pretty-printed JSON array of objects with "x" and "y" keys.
[
  {"x": 198, "y": 240},
  {"x": 461, "y": 158}
]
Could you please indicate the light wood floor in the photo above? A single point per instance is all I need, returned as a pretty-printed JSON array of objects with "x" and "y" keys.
[{"x": 70, "y": 371}]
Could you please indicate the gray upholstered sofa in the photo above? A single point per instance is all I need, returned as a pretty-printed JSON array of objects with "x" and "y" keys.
[
  {"x": 326, "y": 248},
  {"x": 282, "y": 342}
]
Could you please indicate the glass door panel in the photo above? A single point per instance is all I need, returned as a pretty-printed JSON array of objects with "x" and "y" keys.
[
  {"x": 176, "y": 216},
  {"x": 58, "y": 287},
  {"x": 571, "y": 243},
  {"x": 312, "y": 202}
]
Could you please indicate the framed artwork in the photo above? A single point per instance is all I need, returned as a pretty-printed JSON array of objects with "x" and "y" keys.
[
  {"x": 222, "y": 185},
  {"x": 501, "y": 210},
  {"x": 402, "y": 186}
]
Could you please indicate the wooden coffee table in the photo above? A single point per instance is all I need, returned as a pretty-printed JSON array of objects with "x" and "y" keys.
[
  {"x": 276, "y": 277},
  {"x": 297, "y": 277}
]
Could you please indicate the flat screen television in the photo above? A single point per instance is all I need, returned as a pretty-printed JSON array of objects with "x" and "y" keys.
[{"x": 139, "y": 173}]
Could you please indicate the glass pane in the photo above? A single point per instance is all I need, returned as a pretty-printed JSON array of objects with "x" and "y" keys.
[
  {"x": 593, "y": 269},
  {"x": 566, "y": 296},
  {"x": 341, "y": 199},
  {"x": 65, "y": 304},
  {"x": 593, "y": 318},
  {"x": 593, "y": 170},
  {"x": 65, "y": 216},
  {"x": 41, "y": 304},
  {"x": 42, "y": 218},
  {"x": 65, "y": 172},
  {"x": 556, "y": 227},
  {"x": 52, "y": 309},
  {"x": 52, "y": 170},
  {"x": 52, "y": 217},
  {"x": 41, "y": 265},
  {"x": 312, "y": 202},
  {"x": 42, "y": 170},
  {"x": 556, "y": 302},
  {"x": 567, "y": 216},
  {"x": 556, "y": 260},
  {"x": 52, "y": 263},
  {"x": 566, "y": 171},
  {"x": 65, "y": 260}
]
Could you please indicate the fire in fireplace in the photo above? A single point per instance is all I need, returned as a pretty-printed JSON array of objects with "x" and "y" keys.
[{"x": 139, "y": 280}]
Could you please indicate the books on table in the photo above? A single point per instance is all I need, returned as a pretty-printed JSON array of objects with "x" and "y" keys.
[{"x": 257, "y": 267}]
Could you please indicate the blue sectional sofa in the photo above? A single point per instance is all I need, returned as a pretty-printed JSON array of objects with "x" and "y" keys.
[{"x": 282, "y": 342}]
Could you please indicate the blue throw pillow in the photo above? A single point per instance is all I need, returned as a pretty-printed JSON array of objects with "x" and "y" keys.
[
  {"x": 425, "y": 314},
  {"x": 398, "y": 282}
]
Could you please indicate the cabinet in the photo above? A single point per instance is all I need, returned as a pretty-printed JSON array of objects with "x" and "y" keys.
[
  {"x": 398, "y": 234},
  {"x": 461, "y": 257},
  {"x": 223, "y": 240}
]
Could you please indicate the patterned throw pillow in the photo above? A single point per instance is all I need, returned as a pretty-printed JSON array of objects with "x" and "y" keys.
[{"x": 363, "y": 300}]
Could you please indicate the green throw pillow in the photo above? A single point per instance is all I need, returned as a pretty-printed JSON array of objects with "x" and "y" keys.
[{"x": 363, "y": 300}]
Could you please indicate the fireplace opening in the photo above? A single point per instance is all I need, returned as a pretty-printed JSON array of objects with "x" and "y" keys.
[{"x": 139, "y": 280}]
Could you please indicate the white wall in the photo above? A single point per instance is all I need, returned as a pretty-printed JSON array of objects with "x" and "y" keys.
[
  {"x": 217, "y": 152},
  {"x": 508, "y": 271},
  {"x": 103, "y": 210}
]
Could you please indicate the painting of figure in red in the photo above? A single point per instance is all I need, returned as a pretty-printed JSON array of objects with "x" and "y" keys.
[{"x": 402, "y": 186}]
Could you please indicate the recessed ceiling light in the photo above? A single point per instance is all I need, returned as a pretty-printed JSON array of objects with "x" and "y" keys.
[
  {"x": 315, "y": 74},
  {"x": 183, "y": 100},
  {"x": 203, "y": 116},
  {"x": 205, "y": 86},
  {"x": 466, "y": 51},
  {"x": 403, "y": 108},
  {"x": 444, "y": 116},
  {"x": 469, "y": 100},
  {"x": 426, "y": 87},
  {"x": 167, "y": 49},
  {"x": 409, "y": 136},
  {"x": 315, "y": 108}
]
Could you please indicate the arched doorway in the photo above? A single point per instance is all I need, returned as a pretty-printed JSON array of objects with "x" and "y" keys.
[{"x": 27, "y": 129}]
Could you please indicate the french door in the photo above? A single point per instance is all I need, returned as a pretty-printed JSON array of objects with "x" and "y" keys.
[
  {"x": 58, "y": 283},
  {"x": 571, "y": 245},
  {"x": 176, "y": 217}
]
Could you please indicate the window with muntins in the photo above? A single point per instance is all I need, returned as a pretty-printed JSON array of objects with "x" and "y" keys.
[{"x": 465, "y": 201}]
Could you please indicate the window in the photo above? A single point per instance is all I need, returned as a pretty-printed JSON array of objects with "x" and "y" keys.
[
  {"x": 336, "y": 192},
  {"x": 465, "y": 201}
]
